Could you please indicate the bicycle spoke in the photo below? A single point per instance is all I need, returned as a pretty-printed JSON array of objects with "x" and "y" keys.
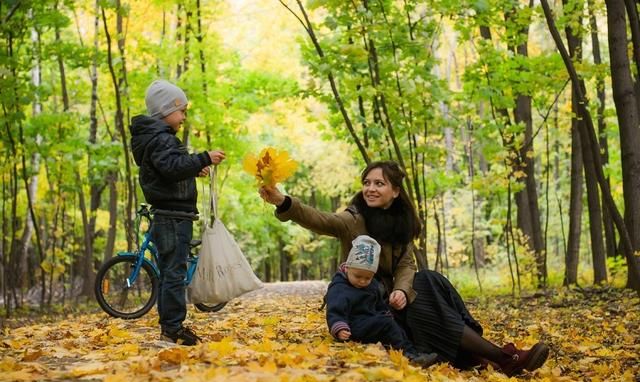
[{"x": 123, "y": 298}]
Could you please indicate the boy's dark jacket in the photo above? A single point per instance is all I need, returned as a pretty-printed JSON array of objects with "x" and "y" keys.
[
  {"x": 167, "y": 170},
  {"x": 353, "y": 306}
]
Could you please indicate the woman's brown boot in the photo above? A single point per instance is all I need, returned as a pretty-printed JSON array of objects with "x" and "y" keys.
[{"x": 523, "y": 359}]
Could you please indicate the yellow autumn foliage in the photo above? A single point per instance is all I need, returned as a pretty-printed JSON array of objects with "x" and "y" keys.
[
  {"x": 270, "y": 167},
  {"x": 272, "y": 335}
]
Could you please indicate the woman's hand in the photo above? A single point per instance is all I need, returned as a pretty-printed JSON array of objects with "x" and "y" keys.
[
  {"x": 397, "y": 299},
  {"x": 271, "y": 195}
]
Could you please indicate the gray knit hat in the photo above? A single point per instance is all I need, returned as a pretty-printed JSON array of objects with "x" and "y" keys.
[
  {"x": 364, "y": 254},
  {"x": 163, "y": 98}
]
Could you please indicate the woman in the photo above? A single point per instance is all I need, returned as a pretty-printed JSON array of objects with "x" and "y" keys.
[{"x": 432, "y": 311}]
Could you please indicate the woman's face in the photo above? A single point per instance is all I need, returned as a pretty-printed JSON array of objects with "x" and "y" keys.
[{"x": 378, "y": 191}]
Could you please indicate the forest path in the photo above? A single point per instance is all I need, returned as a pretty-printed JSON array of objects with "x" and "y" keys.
[
  {"x": 278, "y": 333},
  {"x": 290, "y": 288}
]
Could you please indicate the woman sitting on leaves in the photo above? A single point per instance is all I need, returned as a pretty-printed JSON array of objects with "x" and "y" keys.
[{"x": 430, "y": 309}]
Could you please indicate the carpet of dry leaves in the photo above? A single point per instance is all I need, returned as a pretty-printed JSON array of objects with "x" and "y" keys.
[{"x": 278, "y": 334}]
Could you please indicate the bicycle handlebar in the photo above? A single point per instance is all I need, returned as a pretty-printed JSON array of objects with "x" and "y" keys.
[{"x": 144, "y": 210}]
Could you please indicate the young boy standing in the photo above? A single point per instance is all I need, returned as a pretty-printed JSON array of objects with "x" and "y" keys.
[
  {"x": 356, "y": 308},
  {"x": 167, "y": 178}
]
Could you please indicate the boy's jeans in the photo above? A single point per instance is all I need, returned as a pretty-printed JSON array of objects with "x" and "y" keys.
[{"x": 172, "y": 237}]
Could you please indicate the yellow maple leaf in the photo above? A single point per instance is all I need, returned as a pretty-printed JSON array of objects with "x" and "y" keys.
[
  {"x": 89, "y": 368},
  {"x": 9, "y": 364},
  {"x": 19, "y": 375},
  {"x": 268, "y": 367},
  {"x": 270, "y": 167},
  {"x": 175, "y": 355},
  {"x": 220, "y": 348},
  {"x": 120, "y": 377},
  {"x": 30, "y": 356},
  {"x": 398, "y": 359},
  {"x": 125, "y": 351},
  {"x": 320, "y": 350},
  {"x": 383, "y": 374}
]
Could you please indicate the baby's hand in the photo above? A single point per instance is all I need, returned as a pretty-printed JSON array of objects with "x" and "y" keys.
[{"x": 344, "y": 334}]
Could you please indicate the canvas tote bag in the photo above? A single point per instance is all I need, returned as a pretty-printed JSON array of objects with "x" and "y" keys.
[{"x": 223, "y": 272}]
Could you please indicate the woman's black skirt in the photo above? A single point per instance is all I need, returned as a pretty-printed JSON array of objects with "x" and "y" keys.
[{"x": 437, "y": 316}]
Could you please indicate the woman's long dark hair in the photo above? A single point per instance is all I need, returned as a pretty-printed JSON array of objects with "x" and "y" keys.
[{"x": 398, "y": 224}]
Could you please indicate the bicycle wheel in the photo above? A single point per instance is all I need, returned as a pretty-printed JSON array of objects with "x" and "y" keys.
[
  {"x": 119, "y": 299},
  {"x": 203, "y": 307}
]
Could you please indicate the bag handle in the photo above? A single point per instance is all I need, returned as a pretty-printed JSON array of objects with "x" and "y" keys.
[
  {"x": 212, "y": 193},
  {"x": 210, "y": 204}
]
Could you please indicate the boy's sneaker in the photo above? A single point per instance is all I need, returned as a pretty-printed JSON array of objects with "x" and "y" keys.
[
  {"x": 423, "y": 360},
  {"x": 183, "y": 336}
]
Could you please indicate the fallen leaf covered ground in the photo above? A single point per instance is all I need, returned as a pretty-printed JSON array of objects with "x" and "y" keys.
[{"x": 278, "y": 334}]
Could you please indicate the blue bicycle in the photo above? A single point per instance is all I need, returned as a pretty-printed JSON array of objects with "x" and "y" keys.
[{"x": 127, "y": 284}]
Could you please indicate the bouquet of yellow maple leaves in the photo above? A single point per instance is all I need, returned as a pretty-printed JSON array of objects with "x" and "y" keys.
[{"x": 270, "y": 167}]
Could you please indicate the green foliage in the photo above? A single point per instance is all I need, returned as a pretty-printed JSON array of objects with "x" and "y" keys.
[
  {"x": 617, "y": 267},
  {"x": 417, "y": 82}
]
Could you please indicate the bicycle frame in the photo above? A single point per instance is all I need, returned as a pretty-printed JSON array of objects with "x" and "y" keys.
[
  {"x": 140, "y": 258},
  {"x": 117, "y": 304},
  {"x": 147, "y": 245}
]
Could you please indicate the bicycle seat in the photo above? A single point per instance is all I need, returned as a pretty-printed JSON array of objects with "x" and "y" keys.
[{"x": 194, "y": 243}]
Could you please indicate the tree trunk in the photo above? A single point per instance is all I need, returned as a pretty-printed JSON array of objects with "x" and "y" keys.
[
  {"x": 267, "y": 270},
  {"x": 574, "y": 43},
  {"x": 625, "y": 99},
  {"x": 439, "y": 266},
  {"x": 477, "y": 248},
  {"x": 179, "y": 68},
  {"x": 32, "y": 184},
  {"x": 203, "y": 71},
  {"x": 607, "y": 221},
  {"x": 112, "y": 178},
  {"x": 529, "y": 202},
  {"x": 575, "y": 203},
  {"x": 122, "y": 115},
  {"x": 614, "y": 17},
  {"x": 185, "y": 64},
  {"x": 285, "y": 264},
  {"x": 511, "y": 249},
  {"x": 95, "y": 190},
  {"x": 634, "y": 27}
]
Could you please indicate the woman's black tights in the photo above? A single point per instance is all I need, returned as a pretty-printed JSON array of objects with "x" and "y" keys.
[{"x": 474, "y": 343}]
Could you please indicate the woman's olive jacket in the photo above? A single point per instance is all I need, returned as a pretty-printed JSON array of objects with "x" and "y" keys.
[{"x": 396, "y": 268}]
